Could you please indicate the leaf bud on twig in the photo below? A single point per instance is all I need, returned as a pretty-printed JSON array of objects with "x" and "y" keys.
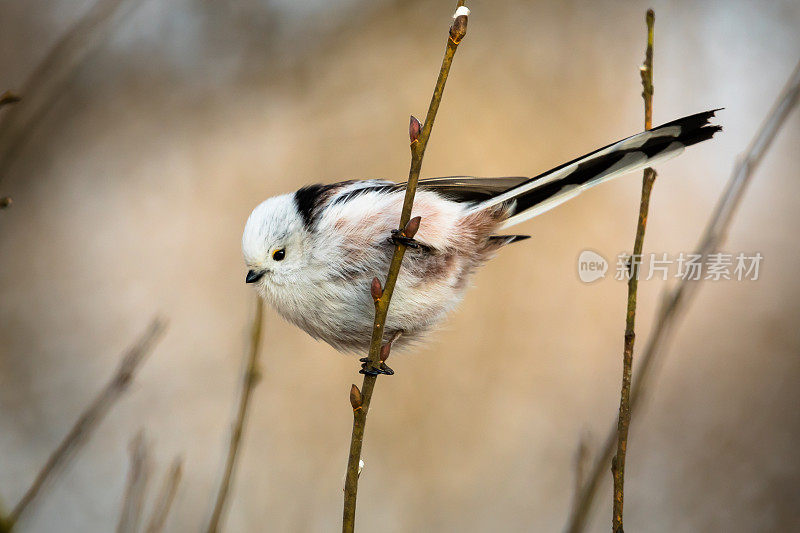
[
  {"x": 375, "y": 289},
  {"x": 412, "y": 227},
  {"x": 356, "y": 399},
  {"x": 414, "y": 129},
  {"x": 386, "y": 349},
  {"x": 459, "y": 28}
]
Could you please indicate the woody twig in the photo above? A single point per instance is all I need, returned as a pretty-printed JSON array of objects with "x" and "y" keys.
[
  {"x": 676, "y": 301},
  {"x": 419, "y": 134},
  {"x": 618, "y": 462}
]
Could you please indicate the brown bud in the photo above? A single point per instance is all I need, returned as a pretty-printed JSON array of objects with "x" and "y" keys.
[
  {"x": 5, "y": 201},
  {"x": 355, "y": 398},
  {"x": 414, "y": 129},
  {"x": 412, "y": 227},
  {"x": 459, "y": 29},
  {"x": 375, "y": 289},
  {"x": 8, "y": 98},
  {"x": 386, "y": 349}
]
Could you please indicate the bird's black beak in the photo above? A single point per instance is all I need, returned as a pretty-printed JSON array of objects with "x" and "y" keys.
[{"x": 254, "y": 275}]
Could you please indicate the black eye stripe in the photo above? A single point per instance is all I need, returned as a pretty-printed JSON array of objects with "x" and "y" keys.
[{"x": 278, "y": 255}]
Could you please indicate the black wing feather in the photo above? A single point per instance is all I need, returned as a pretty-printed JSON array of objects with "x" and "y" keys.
[
  {"x": 310, "y": 198},
  {"x": 469, "y": 189}
]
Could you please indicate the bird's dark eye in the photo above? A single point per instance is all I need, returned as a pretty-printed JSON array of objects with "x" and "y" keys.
[{"x": 278, "y": 255}]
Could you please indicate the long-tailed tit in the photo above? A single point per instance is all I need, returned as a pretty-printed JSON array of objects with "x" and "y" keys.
[{"x": 313, "y": 253}]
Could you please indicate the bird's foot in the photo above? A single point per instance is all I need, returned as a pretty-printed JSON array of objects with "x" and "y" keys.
[
  {"x": 383, "y": 368},
  {"x": 368, "y": 370},
  {"x": 406, "y": 235},
  {"x": 399, "y": 238}
]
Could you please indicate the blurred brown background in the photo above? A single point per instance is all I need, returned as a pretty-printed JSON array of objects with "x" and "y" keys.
[{"x": 131, "y": 194}]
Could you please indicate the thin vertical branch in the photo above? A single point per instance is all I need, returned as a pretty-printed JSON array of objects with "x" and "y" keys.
[
  {"x": 47, "y": 81},
  {"x": 7, "y": 98},
  {"x": 582, "y": 460},
  {"x": 165, "y": 497},
  {"x": 5, "y": 524},
  {"x": 93, "y": 415},
  {"x": 618, "y": 463},
  {"x": 251, "y": 376},
  {"x": 138, "y": 476},
  {"x": 419, "y": 142},
  {"x": 677, "y": 300}
]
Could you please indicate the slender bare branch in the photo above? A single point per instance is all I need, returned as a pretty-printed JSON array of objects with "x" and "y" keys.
[
  {"x": 138, "y": 476},
  {"x": 5, "y": 524},
  {"x": 165, "y": 497},
  {"x": 618, "y": 463},
  {"x": 678, "y": 298},
  {"x": 8, "y": 98},
  {"x": 582, "y": 460},
  {"x": 250, "y": 380},
  {"x": 50, "y": 76},
  {"x": 419, "y": 142},
  {"x": 93, "y": 415}
]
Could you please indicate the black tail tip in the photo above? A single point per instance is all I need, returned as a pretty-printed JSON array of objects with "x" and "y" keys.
[
  {"x": 508, "y": 239},
  {"x": 695, "y": 128},
  {"x": 690, "y": 122}
]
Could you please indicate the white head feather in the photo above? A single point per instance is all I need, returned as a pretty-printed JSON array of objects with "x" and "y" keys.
[{"x": 273, "y": 226}]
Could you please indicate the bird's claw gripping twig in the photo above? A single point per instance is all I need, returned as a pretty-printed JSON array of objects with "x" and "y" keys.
[
  {"x": 398, "y": 238},
  {"x": 368, "y": 370},
  {"x": 383, "y": 368}
]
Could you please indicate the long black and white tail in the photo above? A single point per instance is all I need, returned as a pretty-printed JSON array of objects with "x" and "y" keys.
[{"x": 536, "y": 195}]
